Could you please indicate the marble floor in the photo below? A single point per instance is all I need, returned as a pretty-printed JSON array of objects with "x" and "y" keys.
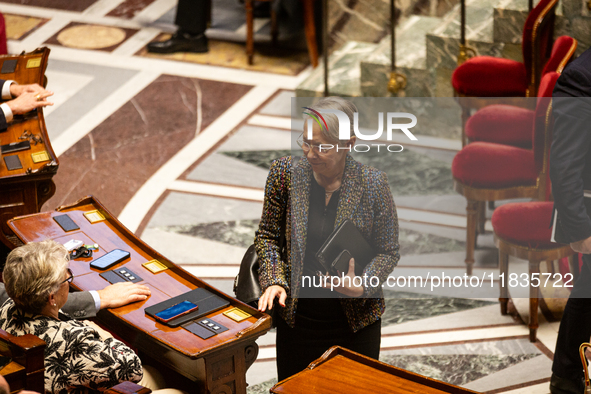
[{"x": 179, "y": 149}]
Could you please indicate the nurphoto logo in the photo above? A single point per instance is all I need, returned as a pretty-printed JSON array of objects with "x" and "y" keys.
[{"x": 345, "y": 127}]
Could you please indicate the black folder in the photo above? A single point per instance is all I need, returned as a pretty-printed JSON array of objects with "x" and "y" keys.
[
  {"x": 205, "y": 299},
  {"x": 345, "y": 237}
]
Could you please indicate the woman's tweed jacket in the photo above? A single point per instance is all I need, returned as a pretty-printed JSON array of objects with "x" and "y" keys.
[{"x": 365, "y": 199}]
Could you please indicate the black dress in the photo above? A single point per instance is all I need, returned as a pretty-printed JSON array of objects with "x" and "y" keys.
[{"x": 320, "y": 320}]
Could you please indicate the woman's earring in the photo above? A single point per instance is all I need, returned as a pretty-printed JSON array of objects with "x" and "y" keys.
[{"x": 54, "y": 304}]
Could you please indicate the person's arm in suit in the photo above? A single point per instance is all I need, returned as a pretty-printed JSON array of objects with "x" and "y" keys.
[
  {"x": 571, "y": 152},
  {"x": 85, "y": 304},
  {"x": 5, "y": 111},
  {"x": 22, "y": 99}
]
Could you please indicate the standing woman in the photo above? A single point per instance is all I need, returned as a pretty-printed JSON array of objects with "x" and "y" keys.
[{"x": 313, "y": 195}]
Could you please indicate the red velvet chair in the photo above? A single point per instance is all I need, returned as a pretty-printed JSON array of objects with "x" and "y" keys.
[
  {"x": 485, "y": 171},
  {"x": 511, "y": 125},
  {"x": 482, "y": 77},
  {"x": 3, "y": 49},
  {"x": 523, "y": 230}
]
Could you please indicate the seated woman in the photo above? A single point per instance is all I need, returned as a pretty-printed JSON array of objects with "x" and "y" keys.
[{"x": 79, "y": 356}]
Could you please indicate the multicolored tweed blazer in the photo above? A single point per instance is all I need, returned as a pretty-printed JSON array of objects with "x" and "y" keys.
[{"x": 365, "y": 199}]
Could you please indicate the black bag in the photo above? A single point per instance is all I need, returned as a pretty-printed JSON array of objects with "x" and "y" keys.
[{"x": 246, "y": 284}]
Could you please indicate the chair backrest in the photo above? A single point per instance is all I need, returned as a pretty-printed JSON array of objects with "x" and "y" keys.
[
  {"x": 542, "y": 131},
  {"x": 537, "y": 39},
  {"x": 26, "y": 370},
  {"x": 563, "y": 51}
]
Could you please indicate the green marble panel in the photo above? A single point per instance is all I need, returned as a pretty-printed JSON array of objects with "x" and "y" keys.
[
  {"x": 410, "y": 173},
  {"x": 581, "y": 30},
  {"x": 234, "y": 232},
  {"x": 456, "y": 369},
  {"x": 261, "y": 388},
  {"x": 413, "y": 242},
  {"x": 404, "y": 306},
  {"x": 344, "y": 73},
  {"x": 443, "y": 51},
  {"x": 260, "y": 158}
]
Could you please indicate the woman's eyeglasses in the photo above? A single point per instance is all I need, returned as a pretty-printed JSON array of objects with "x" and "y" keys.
[
  {"x": 70, "y": 277},
  {"x": 321, "y": 149}
]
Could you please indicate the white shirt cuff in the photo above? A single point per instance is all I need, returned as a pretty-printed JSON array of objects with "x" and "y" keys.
[
  {"x": 6, "y": 90},
  {"x": 7, "y": 112},
  {"x": 97, "y": 299}
]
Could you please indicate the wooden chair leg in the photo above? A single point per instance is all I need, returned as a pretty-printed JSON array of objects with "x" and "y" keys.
[
  {"x": 481, "y": 216},
  {"x": 310, "y": 30},
  {"x": 504, "y": 271},
  {"x": 534, "y": 292},
  {"x": 550, "y": 267},
  {"x": 471, "y": 213},
  {"x": 249, "y": 31},
  {"x": 274, "y": 28}
]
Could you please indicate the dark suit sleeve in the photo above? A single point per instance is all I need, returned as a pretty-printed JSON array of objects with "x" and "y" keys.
[
  {"x": 80, "y": 305},
  {"x": 569, "y": 153},
  {"x": 3, "y": 294}
]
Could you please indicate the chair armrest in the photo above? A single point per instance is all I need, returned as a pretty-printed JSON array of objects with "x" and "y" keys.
[{"x": 128, "y": 388}]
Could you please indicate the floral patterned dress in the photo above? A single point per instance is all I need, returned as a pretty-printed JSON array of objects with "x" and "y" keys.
[{"x": 77, "y": 360}]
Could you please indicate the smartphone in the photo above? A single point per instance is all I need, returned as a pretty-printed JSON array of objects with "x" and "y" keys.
[
  {"x": 341, "y": 263},
  {"x": 177, "y": 310},
  {"x": 110, "y": 259}
]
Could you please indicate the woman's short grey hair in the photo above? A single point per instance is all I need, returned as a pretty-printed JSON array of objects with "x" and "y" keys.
[
  {"x": 332, "y": 121},
  {"x": 33, "y": 272}
]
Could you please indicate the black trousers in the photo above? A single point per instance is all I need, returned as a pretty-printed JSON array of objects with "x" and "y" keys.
[
  {"x": 575, "y": 327},
  {"x": 191, "y": 16},
  {"x": 297, "y": 347}
]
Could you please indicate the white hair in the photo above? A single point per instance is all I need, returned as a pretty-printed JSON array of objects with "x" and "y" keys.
[{"x": 338, "y": 103}]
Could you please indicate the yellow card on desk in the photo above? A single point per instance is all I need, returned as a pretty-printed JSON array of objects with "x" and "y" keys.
[
  {"x": 34, "y": 63},
  {"x": 237, "y": 314},
  {"x": 154, "y": 266},
  {"x": 40, "y": 156},
  {"x": 94, "y": 216}
]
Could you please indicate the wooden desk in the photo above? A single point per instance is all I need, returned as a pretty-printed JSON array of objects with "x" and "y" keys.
[
  {"x": 24, "y": 191},
  {"x": 342, "y": 371},
  {"x": 218, "y": 364}
]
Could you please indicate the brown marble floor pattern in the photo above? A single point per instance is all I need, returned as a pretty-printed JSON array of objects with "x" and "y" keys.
[
  {"x": 85, "y": 36},
  {"x": 114, "y": 160},
  {"x": 129, "y": 8},
  {"x": 65, "y": 5}
]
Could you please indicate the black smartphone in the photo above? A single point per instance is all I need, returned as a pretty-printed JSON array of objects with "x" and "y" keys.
[
  {"x": 66, "y": 222},
  {"x": 15, "y": 147},
  {"x": 177, "y": 310},
  {"x": 341, "y": 263},
  {"x": 110, "y": 259}
]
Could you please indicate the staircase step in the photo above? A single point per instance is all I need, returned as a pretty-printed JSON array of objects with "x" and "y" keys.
[
  {"x": 443, "y": 43},
  {"x": 343, "y": 75},
  {"x": 510, "y": 16},
  {"x": 410, "y": 60}
]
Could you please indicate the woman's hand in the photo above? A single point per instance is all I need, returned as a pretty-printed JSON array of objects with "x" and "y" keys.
[
  {"x": 346, "y": 286},
  {"x": 266, "y": 300}
]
